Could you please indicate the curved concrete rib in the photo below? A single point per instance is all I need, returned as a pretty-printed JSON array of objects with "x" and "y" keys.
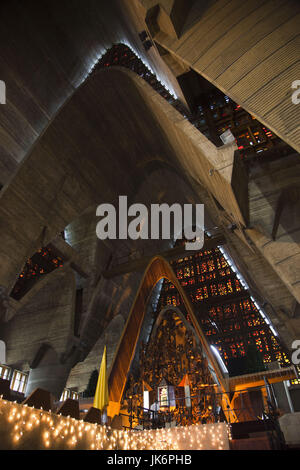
[{"x": 113, "y": 123}]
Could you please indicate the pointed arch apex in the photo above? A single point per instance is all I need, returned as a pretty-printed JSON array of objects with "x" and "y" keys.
[{"x": 158, "y": 268}]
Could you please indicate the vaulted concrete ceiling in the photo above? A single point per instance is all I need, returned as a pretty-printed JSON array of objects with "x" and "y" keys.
[
  {"x": 47, "y": 49},
  {"x": 64, "y": 149},
  {"x": 99, "y": 146}
]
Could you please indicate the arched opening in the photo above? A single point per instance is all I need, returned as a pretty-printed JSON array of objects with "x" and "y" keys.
[
  {"x": 172, "y": 383},
  {"x": 157, "y": 269}
]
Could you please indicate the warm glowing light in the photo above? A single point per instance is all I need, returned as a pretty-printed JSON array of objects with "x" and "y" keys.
[{"x": 54, "y": 430}]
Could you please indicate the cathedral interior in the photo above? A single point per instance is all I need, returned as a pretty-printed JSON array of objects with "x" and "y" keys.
[{"x": 189, "y": 102}]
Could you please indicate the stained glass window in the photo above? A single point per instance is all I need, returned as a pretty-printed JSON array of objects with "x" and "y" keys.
[
  {"x": 224, "y": 308},
  {"x": 42, "y": 262}
]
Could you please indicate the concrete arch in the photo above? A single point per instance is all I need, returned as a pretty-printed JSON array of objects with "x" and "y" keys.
[
  {"x": 157, "y": 269},
  {"x": 80, "y": 373},
  {"x": 145, "y": 170},
  {"x": 47, "y": 51},
  {"x": 56, "y": 182}
]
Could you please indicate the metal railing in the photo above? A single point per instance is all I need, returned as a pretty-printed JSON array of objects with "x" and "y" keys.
[{"x": 264, "y": 413}]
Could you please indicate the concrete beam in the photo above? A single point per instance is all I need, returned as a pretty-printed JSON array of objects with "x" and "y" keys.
[
  {"x": 169, "y": 255},
  {"x": 67, "y": 252}
]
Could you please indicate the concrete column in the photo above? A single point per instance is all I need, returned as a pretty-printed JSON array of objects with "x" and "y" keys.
[
  {"x": 50, "y": 374},
  {"x": 52, "y": 378}
]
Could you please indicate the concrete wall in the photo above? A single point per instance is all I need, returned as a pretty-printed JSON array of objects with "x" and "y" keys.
[
  {"x": 250, "y": 51},
  {"x": 283, "y": 253},
  {"x": 289, "y": 424},
  {"x": 106, "y": 140},
  {"x": 46, "y": 52},
  {"x": 80, "y": 374},
  {"x": 46, "y": 318}
]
